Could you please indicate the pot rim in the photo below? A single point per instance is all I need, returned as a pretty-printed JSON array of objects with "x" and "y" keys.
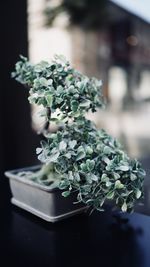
[{"x": 13, "y": 174}]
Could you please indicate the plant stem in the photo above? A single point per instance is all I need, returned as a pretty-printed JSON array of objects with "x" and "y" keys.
[{"x": 48, "y": 115}]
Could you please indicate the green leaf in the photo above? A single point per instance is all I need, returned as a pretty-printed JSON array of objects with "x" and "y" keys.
[
  {"x": 86, "y": 188},
  {"x": 81, "y": 85},
  {"x": 80, "y": 155},
  {"x": 133, "y": 177},
  {"x": 107, "y": 150},
  {"x": 59, "y": 100},
  {"x": 77, "y": 114},
  {"x": 108, "y": 183},
  {"x": 118, "y": 185},
  {"x": 72, "y": 143},
  {"x": 38, "y": 150},
  {"x": 53, "y": 157},
  {"x": 66, "y": 193},
  {"x": 90, "y": 164},
  {"x": 60, "y": 89},
  {"x": 106, "y": 160},
  {"x": 77, "y": 176},
  {"x": 89, "y": 150},
  {"x": 94, "y": 177},
  {"x": 68, "y": 155},
  {"x": 71, "y": 89},
  {"x": 138, "y": 193},
  {"x": 62, "y": 145},
  {"x": 49, "y": 100},
  {"x": 124, "y": 207},
  {"x": 88, "y": 178},
  {"x": 110, "y": 195},
  {"x": 49, "y": 81},
  {"x": 99, "y": 147},
  {"x": 43, "y": 81},
  {"x": 64, "y": 184},
  {"x": 83, "y": 167},
  {"x": 70, "y": 175},
  {"x": 38, "y": 68},
  {"x": 123, "y": 168},
  {"x": 104, "y": 177},
  {"x": 116, "y": 176},
  {"x": 85, "y": 103},
  {"x": 74, "y": 105}
]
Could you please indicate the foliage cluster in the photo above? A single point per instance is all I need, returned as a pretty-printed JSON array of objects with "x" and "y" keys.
[{"x": 83, "y": 158}]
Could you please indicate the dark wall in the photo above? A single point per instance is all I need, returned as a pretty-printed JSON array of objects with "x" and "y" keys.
[{"x": 17, "y": 140}]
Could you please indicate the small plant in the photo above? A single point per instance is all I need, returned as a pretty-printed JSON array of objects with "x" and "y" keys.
[{"x": 78, "y": 157}]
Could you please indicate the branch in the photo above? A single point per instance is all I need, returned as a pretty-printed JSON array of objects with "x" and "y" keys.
[{"x": 47, "y": 124}]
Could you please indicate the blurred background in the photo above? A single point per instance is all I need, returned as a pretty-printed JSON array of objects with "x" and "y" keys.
[{"x": 108, "y": 39}]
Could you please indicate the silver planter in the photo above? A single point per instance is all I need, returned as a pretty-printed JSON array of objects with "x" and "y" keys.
[{"x": 38, "y": 199}]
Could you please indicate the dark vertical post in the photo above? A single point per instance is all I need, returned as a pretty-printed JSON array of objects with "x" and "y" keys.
[{"x": 17, "y": 140}]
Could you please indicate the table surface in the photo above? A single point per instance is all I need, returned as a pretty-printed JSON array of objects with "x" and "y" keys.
[{"x": 100, "y": 239}]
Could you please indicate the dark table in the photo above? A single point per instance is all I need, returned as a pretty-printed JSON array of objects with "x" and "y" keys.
[
  {"x": 101, "y": 239},
  {"x": 83, "y": 240}
]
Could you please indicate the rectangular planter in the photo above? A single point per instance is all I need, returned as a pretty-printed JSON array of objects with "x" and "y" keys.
[{"x": 38, "y": 199}]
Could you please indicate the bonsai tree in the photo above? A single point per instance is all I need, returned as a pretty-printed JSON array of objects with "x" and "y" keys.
[{"x": 78, "y": 157}]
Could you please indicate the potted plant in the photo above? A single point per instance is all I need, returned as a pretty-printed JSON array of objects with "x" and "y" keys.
[{"x": 79, "y": 162}]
